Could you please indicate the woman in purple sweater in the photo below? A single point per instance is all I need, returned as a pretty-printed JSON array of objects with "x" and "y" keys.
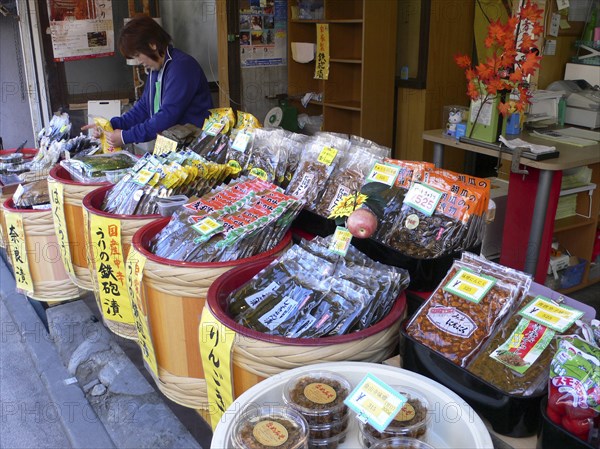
[{"x": 176, "y": 89}]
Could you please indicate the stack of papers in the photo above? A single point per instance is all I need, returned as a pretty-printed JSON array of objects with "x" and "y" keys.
[
  {"x": 570, "y": 136},
  {"x": 567, "y": 206}
]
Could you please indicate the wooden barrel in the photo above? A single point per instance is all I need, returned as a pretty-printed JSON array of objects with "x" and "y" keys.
[
  {"x": 35, "y": 251},
  {"x": 6, "y": 192},
  {"x": 257, "y": 356},
  {"x": 128, "y": 225},
  {"x": 174, "y": 293},
  {"x": 73, "y": 194}
]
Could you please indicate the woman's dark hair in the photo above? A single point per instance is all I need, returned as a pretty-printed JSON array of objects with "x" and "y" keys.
[{"x": 137, "y": 35}]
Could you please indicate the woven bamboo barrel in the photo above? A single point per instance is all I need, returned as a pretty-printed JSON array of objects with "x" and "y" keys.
[
  {"x": 130, "y": 224},
  {"x": 174, "y": 294},
  {"x": 257, "y": 356},
  {"x": 50, "y": 281},
  {"x": 74, "y": 192},
  {"x": 6, "y": 192}
]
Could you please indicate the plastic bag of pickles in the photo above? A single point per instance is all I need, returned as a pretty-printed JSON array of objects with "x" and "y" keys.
[
  {"x": 311, "y": 292},
  {"x": 155, "y": 177},
  {"x": 94, "y": 168},
  {"x": 247, "y": 217}
]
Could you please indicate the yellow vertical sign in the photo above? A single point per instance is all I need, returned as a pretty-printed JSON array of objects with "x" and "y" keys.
[
  {"x": 105, "y": 239},
  {"x": 322, "y": 57},
  {"x": 216, "y": 342},
  {"x": 18, "y": 251},
  {"x": 135, "y": 271},
  {"x": 60, "y": 224}
]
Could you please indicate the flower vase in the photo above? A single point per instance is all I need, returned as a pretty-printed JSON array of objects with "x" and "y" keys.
[
  {"x": 484, "y": 120},
  {"x": 512, "y": 124}
]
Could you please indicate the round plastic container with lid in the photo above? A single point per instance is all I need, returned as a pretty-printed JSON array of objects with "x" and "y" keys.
[
  {"x": 277, "y": 427},
  {"x": 327, "y": 443},
  {"x": 412, "y": 421},
  {"x": 401, "y": 443},
  {"x": 318, "y": 396}
]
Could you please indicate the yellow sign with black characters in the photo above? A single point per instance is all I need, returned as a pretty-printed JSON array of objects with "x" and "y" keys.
[
  {"x": 60, "y": 224},
  {"x": 135, "y": 271},
  {"x": 322, "y": 57},
  {"x": 216, "y": 342},
  {"x": 105, "y": 238},
  {"x": 16, "y": 240}
]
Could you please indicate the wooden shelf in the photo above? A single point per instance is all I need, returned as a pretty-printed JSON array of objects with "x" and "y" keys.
[
  {"x": 346, "y": 61},
  {"x": 348, "y": 105},
  {"x": 574, "y": 222}
]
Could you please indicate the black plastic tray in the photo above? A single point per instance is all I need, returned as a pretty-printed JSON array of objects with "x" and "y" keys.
[
  {"x": 425, "y": 274},
  {"x": 552, "y": 436},
  {"x": 510, "y": 415}
]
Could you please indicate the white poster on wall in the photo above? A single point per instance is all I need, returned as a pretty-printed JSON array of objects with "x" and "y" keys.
[
  {"x": 263, "y": 33},
  {"x": 81, "y": 29}
]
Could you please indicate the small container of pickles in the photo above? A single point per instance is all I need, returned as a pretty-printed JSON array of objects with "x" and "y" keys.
[
  {"x": 412, "y": 421},
  {"x": 270, "y": 426}
]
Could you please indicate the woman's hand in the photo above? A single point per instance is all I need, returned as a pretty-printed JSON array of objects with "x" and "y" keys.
[
  {"x": 114, "y": 138},
  {"x": 96, "y": 130}
]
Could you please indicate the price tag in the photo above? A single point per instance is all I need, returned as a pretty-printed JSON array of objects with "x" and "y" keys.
[
  {"x": 105, "y": 237},
  {"x": 18, "y": 250},
  {"x": 340, "y": 241},
  {"x": 60, "y": 225},
  {"x": 375, "y": 402},
  {"x": 164, "y": 145},
  {"x": 241, "y": 142},
  {"x": 216, "y": 343},
  {"x": 423, "y": 198},
  {"x": 207, "y": 226},
  {"x": 545, "y": 312},
  {"x": 143, "y": 176},
  {"x": 469, "y": 285},
  {"x": 383, "y": 173},
  {"x": 327, "y": 155},
  {"x": 259, "y": 173},
  {"x": 135, "y": 272},
  {"x": 214, "y": 128}
]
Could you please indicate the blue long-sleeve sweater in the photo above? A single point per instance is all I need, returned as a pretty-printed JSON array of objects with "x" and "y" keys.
[{"x": 185, "y": 98}]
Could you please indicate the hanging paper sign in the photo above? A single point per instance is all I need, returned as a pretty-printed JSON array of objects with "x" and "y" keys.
[
  {"x": 105, "y": 237},
  {"x": 60, "y": 225},
  {"x": 375, "y": 402},
  {"x": 423, "y": 198},
  {"x": 135, "y": 271},
  {"x": 322, "y": 57},
  {"x": 81, "y": 29},
  {"x": 340, "y": 241},
  {"x": 469, "y": 285},
  {"x": 216, "y": 343},
  {"x": 164, "y": 145},
  {"x": 18, "y": 251},
  {"x": 545, "y": 312},
  {"x": 383, "y": 173}
]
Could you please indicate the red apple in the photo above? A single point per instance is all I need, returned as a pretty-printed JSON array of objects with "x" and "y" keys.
[{"x": 362, "y": 223}]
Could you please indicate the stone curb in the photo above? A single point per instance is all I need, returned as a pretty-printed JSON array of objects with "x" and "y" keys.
[{"x": 78, "y": 419}]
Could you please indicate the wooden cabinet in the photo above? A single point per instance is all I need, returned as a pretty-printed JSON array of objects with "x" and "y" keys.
[{"x": 358, "y": 96}]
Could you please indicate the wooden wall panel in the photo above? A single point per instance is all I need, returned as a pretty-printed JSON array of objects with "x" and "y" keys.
[{"x": 410, "y": 124}]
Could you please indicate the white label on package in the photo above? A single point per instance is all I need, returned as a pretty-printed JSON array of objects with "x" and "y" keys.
[
  {"x": 451, "y": 321},
  {"x": 383, "y": 173},
  {"x": 241, "y": 142},
  {"x": 207, "y": 226},
  {"x": 549, "y": 314},
  {"x": 423, "y": 198},
  {"x": 255, "y": 299},
  {"x": 279, "y": 313},
  {"x": 469, "y": 285},
  {"x": 375, "y": 402}
]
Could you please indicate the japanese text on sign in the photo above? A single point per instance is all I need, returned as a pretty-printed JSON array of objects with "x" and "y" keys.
[
  {"x": 383, "y": 173},
  {"x": 60, "y": 225},
  {"x": 105, "y": 234},
  {"x": 470, "y": 286},
  {"x": 340, "y": 241},
  {"x": 423, "y": 198},
  {"x": 322, "y": 57},
  {"x": 164, "y": 145},
  {"x": 18, "y": 251},
  {"x": 135, "y": 271},
  {"x": 545, "y": 312},
  {"x": 216, "y": 342}
]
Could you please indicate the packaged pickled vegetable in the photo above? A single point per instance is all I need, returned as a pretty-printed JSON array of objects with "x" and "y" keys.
[
  {"x": 32, "y": 195},
  {"x": 93, "y": 168}
]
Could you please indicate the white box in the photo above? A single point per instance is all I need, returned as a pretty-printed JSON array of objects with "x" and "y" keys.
[{"x": 103, "y": 108}]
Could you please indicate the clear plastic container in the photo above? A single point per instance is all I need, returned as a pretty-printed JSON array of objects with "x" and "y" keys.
[
  {"x": 327, "y": 443},
  {"x": 318, "y": 396},
  {"x": 401, "y": 443},
  {"x": 324, "y": 431},
  {"x": 278, "y": 427},
  {"x": 412, "y": 421}
]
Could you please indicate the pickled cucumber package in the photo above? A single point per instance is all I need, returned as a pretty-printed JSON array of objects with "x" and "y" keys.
[
  {"x": 466, "y": 308},
  {"x": 95, "y": 167},
  {"x": 310, "y": 292}
]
